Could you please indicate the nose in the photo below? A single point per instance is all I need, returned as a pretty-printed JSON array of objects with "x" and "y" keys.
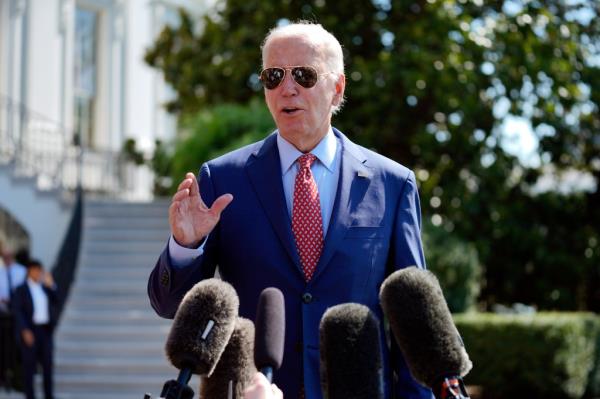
[{"x": 288, "y": 86}]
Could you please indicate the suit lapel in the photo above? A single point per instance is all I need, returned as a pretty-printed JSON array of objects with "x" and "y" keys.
[
  {"x": 264, "y": 171},
  {"x": 353, "y": 183}
]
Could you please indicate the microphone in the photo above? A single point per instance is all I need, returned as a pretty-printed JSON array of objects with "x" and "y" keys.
[
  {"x": 235, "y": 369},
  {"x": 350, "y": 351},
  {"x": 201, "y": 329},
  {"x": 270, "y": 332},
  {"x": 421, "y": 322}
]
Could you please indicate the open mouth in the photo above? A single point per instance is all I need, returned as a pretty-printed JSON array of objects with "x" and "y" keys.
[{"x": 290, "y": 110}]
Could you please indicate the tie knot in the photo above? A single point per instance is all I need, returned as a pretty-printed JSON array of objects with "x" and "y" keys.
[{"x": 306, "y": 160}]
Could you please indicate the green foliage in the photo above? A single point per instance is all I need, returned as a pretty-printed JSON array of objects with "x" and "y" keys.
[
  {"x": 456, "y": 265},
  {"x": 430, "y": 84},
  {"x": 131, "y": 153},
  {"x": 161, "y": 164},
  {"x": 547, "y": 355},
  {"x": 215, "y": 131},
  {"x": 593, "y": 388}
]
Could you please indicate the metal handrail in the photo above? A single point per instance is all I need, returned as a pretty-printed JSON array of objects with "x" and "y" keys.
[{"x": 36, "y": 146}]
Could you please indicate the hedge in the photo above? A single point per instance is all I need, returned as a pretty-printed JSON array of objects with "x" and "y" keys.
[{"x": 549, "y": 355}]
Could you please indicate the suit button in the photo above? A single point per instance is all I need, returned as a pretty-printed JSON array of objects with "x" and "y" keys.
[
  {"x": 307, "y": 298},
  {"x": 164, "y": 279}
]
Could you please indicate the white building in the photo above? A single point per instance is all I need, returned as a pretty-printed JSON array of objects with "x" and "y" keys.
[{"x": 72, "y": 71}]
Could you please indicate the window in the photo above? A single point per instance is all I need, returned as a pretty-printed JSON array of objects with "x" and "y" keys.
[{"x": 85, "y": 75}]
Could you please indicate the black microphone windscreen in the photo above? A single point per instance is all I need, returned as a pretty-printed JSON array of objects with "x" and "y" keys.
[
  {"x": 270, "y": 329},
  {"x": 419, "y": 317},
  {"x": 202, "y": 326},
  {"x": 236, "y": 368},
  {"x": 350, "y": 351}
]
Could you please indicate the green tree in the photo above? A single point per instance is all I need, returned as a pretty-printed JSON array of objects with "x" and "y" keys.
[{"x": 430, "y": 84}]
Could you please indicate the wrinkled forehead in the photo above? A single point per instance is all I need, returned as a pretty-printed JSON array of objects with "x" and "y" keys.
[{"x": 292, "y": 50}]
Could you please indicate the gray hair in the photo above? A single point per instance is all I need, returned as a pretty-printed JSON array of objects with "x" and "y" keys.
[{"x": 334, "y": 56}]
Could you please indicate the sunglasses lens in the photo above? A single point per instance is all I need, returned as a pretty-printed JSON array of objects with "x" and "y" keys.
[
  {"x": 272, "y": 77},
  {"x": 305, "y": 76}
]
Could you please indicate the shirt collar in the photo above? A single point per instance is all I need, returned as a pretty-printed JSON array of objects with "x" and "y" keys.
[
  {"x": 324, "y": 151},
  {"x": 33, "y": 284}
]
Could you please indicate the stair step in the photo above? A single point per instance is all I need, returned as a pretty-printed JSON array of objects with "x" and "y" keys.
[
  {"x": 156, "y": 365},
  {"x": 111, "y": 208},
  {"x": 109, "y": 234},
  {"x": 109, "y": 314},
  {"x": 97, "y": 303},
  {"x": 127, "y": 258},
  {"x": 109, "y": 287},
  {"x": 128, "y": 222},
  {"x": 115, "y": 273},
  {"x": 127, "y": 383},
  {"x": 131, "y": 347},
  {"x": 123, "y": 247}
]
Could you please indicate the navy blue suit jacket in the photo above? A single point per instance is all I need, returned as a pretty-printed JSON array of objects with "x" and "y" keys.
[
  {"x": 374, "y": 230},
  {"x": 22, "y": 305}
]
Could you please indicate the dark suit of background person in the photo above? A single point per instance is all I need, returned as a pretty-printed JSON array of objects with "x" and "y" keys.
[
  {"x": 12, "y": 274},
  {"x": 25, "y": 307},
  {"x": 374, "y": 228}
]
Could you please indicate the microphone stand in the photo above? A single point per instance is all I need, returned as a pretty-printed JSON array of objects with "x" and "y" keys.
[
  {"x": 450, "y": 388},
  {"x": 177, "y": 389}
]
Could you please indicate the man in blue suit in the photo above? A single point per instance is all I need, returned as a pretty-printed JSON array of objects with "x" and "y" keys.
[{"x": 304, "y": 210}]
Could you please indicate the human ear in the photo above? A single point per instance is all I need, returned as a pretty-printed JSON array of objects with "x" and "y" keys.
[{"x": 340, "y": 86}]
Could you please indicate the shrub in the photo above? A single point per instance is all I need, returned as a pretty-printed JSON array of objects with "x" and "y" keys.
[
  {"x": 547, "y": 355},
  {"x": 215, "y": 131},
  {"x": 456, "y": 265}
]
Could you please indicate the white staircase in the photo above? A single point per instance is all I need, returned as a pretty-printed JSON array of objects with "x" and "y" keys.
[{"x": 110, "y": 343}]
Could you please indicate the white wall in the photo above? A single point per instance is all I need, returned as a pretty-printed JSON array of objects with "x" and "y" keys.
[{"x": 42, "y": 215}]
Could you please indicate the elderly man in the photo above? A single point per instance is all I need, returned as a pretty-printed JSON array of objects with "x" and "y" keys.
[{"x": 304, "y": 210}]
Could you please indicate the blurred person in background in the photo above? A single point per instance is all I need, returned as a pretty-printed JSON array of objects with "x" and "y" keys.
[
  {"x": 34, "y": 304},
  {"x": 12, "y": 275}
]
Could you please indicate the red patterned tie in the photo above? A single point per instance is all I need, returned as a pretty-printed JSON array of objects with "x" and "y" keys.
[{"x": 307, "y": 223}]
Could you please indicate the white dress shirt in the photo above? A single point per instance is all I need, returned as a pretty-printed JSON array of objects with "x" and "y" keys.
[
  {"x": 41, "y": 314},
  {"x": 13, "y": 274},
  {"x": 326, "y": 172}
]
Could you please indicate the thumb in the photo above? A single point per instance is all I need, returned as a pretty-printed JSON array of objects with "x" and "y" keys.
[{"x": 221, "y": 203}]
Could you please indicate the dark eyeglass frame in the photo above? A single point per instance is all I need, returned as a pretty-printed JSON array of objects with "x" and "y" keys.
[{"x": 297, "y": 72}]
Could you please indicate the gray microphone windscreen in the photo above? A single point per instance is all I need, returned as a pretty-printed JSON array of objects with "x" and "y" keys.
[
  {"x": 419, "y": 317},
  {"x": 236, "y": 368},
  {"x": 350, "y": 351},
  {"x": 270, "y": 329},
  {"x": 202, "y": 326}
]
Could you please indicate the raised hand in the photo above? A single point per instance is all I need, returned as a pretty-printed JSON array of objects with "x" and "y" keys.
[{"x": 190, "y": 219}]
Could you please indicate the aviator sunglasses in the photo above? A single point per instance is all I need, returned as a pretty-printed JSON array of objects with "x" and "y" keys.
[{"x": 305, "y": 76}]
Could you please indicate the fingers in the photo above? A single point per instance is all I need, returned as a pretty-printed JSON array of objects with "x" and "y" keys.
[
  {"x": 187, "y": 187},
  {"x": 194, "y": 189},
  {"x": 260, "y": 388},
  {"x": 181, "y": 195},
  {"x": 277, "y": 394},
  {"x": 221, "y": 203}
]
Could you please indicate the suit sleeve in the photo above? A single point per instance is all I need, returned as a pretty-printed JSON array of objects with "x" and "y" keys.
[
  {"x": 407, "y": 250},
  {"x": 168, "y": 284},
  {"x": 18, "y": 308}
]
